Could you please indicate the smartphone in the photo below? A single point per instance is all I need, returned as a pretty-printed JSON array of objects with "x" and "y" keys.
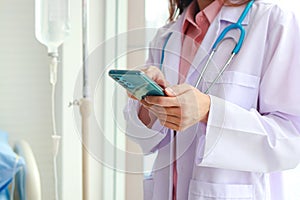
[{"x": 137, "y": 83}]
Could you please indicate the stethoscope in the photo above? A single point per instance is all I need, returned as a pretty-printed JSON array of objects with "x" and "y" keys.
[{"x": 219, "y": 40}]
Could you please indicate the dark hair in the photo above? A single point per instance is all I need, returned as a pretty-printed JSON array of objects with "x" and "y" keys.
[{"x": 179, "y": 6}]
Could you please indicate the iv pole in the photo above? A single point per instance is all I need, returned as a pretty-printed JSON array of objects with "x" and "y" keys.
[{"x": 85, "y": 105}]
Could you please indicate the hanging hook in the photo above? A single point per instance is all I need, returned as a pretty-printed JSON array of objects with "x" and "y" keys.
[{"x": 74, "y": 103}]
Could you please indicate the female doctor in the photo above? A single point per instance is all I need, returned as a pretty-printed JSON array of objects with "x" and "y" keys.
[{"x": 228, "y": 136}]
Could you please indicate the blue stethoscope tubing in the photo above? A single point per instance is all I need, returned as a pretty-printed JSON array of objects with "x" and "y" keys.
[{"x": 235, "y": 51}]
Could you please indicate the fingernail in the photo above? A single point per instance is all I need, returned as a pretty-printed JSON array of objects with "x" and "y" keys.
[{"x": 169, "y": 90}]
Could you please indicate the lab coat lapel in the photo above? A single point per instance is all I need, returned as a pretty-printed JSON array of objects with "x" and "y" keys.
[
  {"x": 173, "y": 50},
  {"x": 172, "y": 58}
]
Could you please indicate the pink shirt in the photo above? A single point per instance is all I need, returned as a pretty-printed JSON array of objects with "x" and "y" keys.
[{"x": 194, "y": 28}]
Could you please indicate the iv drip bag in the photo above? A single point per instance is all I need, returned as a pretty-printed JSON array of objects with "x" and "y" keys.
[{"x": 52, "y": 23}]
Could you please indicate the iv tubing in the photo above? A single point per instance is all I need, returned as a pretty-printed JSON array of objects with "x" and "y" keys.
[
  {"x": 85, "y": 53},
  {"x": 55, "y": 137}
]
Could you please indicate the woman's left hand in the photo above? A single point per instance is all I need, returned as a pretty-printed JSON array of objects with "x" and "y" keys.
[{"x": 183, "y": 107}]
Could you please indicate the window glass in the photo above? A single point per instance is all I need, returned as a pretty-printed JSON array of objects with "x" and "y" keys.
[
  {"x": 156, "y": 15},
  {"x": 156, "y": 12}
]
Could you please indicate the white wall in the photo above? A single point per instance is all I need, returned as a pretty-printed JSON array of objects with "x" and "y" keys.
[{"x": 24, "y": 86}]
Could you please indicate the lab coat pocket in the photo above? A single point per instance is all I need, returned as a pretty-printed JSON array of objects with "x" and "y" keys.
[
  {"x": 236, "y": 87},
  {"x": 211, "y": 191},
  {"x": 148, "y": 189}
]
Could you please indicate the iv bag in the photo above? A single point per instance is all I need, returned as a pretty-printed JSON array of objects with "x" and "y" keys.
[{"x": 52, "y": 23}]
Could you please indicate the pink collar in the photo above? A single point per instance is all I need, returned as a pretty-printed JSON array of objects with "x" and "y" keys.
[{"x": 193, "y": 14}]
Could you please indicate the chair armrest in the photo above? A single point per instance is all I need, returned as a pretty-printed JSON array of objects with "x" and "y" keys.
[{"x": 32, "y": 176}]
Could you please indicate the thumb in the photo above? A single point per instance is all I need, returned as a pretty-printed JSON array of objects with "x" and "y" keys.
[
  {"x": 161, "y": 82},
  {"x": 177, "y": 90}
]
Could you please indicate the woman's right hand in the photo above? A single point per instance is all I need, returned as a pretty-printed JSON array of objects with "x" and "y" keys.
[
  {"x": 148, "y": 118},
  {"x": 156, "y": 75}
]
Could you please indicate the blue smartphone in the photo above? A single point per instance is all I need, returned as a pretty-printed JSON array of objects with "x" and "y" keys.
[{"x": 137, "y": 83}]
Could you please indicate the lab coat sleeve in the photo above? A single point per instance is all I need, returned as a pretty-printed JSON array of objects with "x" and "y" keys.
[
  {"x": 268, "y": 138},
  {"x": 148, "y": 139}
]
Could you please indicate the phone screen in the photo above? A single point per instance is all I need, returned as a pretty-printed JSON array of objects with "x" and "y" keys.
[{"x": 137, "y": 83}]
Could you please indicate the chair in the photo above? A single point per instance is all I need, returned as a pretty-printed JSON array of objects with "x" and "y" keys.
[{"x": 27, "y": 182}]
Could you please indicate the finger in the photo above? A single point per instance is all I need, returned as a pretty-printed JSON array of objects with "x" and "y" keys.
[
  {"x": 163, "y": 118},
  {"x": 163, "y": 101},
  {"x": 173, "y": 119},
  {"x": 169, "y": 111},
  {"x": 145, "y": 104},
  {"x": 131, "y": 96},
  {"x": 152, "y": 71},
  {"x": 175, "y": 127},
  {"x": 155, "y": 74},
  {"x": 161, "y": 82},
  {"x": 172, "y": 126},
  {"x": 177, "y": 90}
]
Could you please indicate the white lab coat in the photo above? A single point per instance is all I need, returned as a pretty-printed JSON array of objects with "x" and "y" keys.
[{"x": 253, "y": 129}]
